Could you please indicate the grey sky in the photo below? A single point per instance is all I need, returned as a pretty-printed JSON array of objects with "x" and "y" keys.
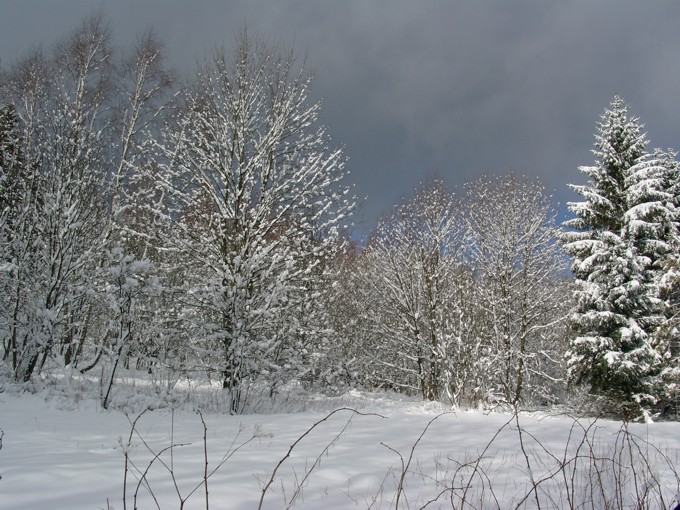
[{"x": 413, "y": 88}]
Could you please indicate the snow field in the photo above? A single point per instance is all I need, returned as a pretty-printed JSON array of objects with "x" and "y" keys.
[{"x": 70, "y": 456}]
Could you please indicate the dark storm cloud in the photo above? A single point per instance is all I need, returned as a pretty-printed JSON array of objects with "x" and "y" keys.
[{"x": 415, "y": 88}]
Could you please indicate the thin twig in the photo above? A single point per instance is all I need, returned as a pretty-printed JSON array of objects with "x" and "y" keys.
[
  {"x": 534, "y": 487},
  {"x": 205, "y": 459},
  {"x": 299, "y": 485},
  {"x": 405, "y": 468},
  {"x": 479, "y": 460},
  {"x": 298, "y": 440},
  {"x": 133, "y": 424}
]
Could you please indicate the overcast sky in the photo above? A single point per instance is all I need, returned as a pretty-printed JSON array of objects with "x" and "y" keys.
[{"x": 417, "y": 88}]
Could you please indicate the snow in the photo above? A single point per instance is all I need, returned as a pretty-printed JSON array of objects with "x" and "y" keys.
[{"x": 65, "y": 454}]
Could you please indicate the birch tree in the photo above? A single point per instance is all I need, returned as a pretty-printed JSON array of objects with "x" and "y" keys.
[
  {"x": 77, "y": 120},
  {"x": 60, "y": 104}
]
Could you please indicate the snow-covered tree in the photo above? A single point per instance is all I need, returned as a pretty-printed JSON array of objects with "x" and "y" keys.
[
  {"x": 77, "y": 115},
  {"x": 143, "y": 83},
  {"x": 655, "y": 228},
  {"x": 254, "y": 203},
  {"x": 14, "y": 184},
  {"x": 408, "y": 282},
  {"x": 617, "y": 240},
  {"x": 463, "y": 301},
  {"x": 514, "y": 253},
  {"x": 12, "y": 166},
  {"x": 55, "y": 242},
  {"x": 347, "y": 362}
]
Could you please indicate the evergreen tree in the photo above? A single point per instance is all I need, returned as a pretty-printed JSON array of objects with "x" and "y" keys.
[
  {"x": 667, "y": 272},
  {"x": 617, "y": 241}
]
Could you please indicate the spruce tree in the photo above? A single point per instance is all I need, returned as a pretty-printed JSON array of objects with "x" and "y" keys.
[
  {"x": 667, "y": 273},
  {"x": 614, "y": 240}
]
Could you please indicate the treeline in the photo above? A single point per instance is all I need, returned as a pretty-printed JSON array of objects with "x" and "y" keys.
[
  {"x": 202, "y": 230},
  {"x": 462, "y": 299}
]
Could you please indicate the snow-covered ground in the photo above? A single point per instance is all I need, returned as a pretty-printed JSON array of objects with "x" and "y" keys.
[{"x": 57, "y": 454}]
